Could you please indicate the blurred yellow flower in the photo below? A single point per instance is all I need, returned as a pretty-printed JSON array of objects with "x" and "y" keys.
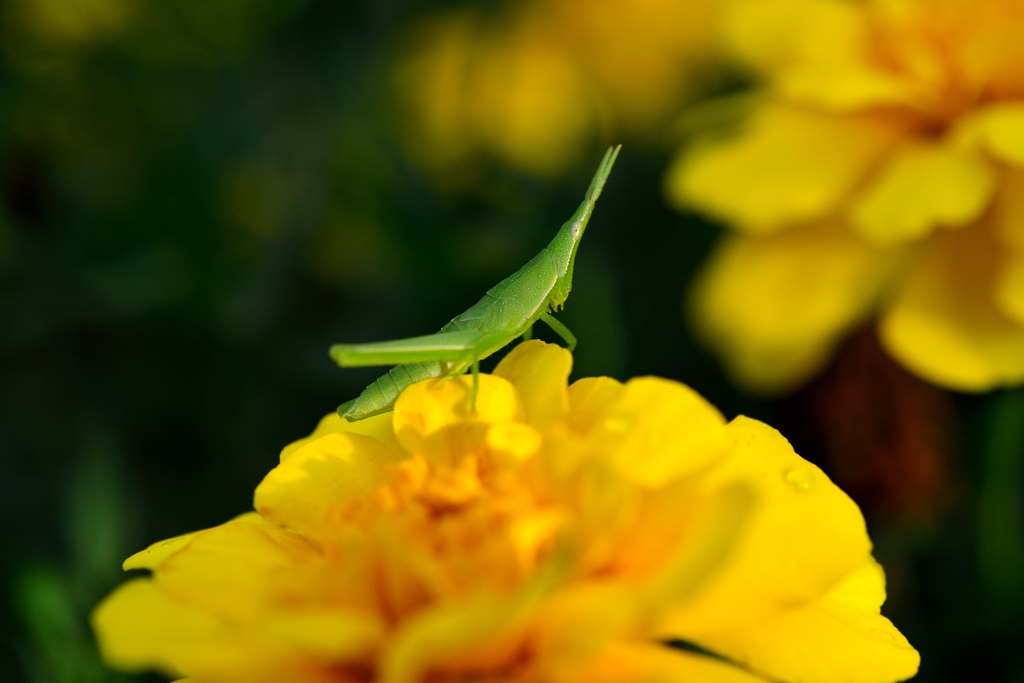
[
  {"x": 557, "y": 534},
  {"x": 533, "y": 87},
  {"x": 881, "y": 174}
]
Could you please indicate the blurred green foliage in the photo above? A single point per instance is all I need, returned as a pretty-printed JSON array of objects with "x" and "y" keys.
[{"x": 197, "y": 198}]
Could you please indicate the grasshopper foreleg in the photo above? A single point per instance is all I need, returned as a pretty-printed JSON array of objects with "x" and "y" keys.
[
  {"x": 561, "y": 330},
  {"x": 476, "y": 384}
]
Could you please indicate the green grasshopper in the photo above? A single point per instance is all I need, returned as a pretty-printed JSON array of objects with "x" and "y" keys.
[{"x": 507, "y": 311}]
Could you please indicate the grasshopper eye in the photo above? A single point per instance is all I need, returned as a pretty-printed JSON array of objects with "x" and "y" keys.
[{"x": 575, "y": 232}]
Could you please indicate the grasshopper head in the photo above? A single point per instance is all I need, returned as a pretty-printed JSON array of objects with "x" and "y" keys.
[{"x": 567, "y": 241}]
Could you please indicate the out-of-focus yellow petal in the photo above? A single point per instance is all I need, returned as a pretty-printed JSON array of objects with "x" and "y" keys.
[
  {"x": 430, "y": 415},
  {"x": 815, "y": 50},
  {"x": 514, "y": 439},
  {"x": 315, "y": 488},
  {"x": 239, "y": 570},
  {"x": 589, "y": 398},
  {"x": 775, "y": 306},
  {"x": 1009, "y": 210},
  {"x": 922, "y": 187},
  {"x": 998, "y": 129},
  {"x": 468, "y": 634},
  {"x": 787, "y": 165},
  {"x": 531, "y": 102},
  {"x": 141, "y": 627},
  {"x": 944, "y": 324},
  {"x": 1009, "y": 218},
  {"x": 434, "y": 80},
  {"x": 642, "y": 662},
  {"x": 540, "y": 372},
  {"x": 639, "y": 432},
  {"x": 377, "y": 427},
  {"x": 839, "y": 638},
  {"x": 155, "y": 555},
  {"x": 323, "y": 633},
  {"x": 775, "y": 34},
  {"x": 804, "y": 536},
  {"x": 1010, "y": 287},
  {"x": 637, "y": 52},
  {"x": 609, "y": 609}
]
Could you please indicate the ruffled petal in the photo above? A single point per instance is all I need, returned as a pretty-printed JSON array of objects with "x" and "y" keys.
[
  {"x": 435, "y": 417},
  {"x": 639, "y": 432},
  {"x": 434, "y": 80},
  {"x": 531, "y": 102},
  {"x": 923, "y": 187},
  {"x": 1009, "y": 217},
  {"x": 378, "y": 427},
  {"x": 638, "y": 662},
  {"x": 466, "y": 635},
  {"x": 944, "y": 324},
  {"x": 540, "y": 372},
  {"x": 233, "y": 570},
  {"x": 315, "y": 488},
  {"x": 997, "y": 129},
  {"x": 141, "y": 627},
  {"x": 788, "y": 165},
  {"x": 804, "y": 536},
  {"x": 774, "y": 307},
  {"x": 156, "y": 554},
  {"x": 589, "y": 398},
  {"x": 816, "y": 51},
  {"x": 839, "y": 638}
]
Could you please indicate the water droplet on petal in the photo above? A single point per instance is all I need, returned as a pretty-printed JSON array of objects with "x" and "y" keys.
[
  {"x": 800, "y": 479},
  {"x": 618, "y": 424}
]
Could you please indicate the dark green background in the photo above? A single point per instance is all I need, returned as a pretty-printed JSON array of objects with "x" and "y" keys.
[{"x": 193, "y": 209}]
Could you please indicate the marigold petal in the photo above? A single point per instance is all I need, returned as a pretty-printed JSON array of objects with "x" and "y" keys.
[
  {"x": 998, "y": 129},
  {"x": 462, "y": 635},
  {"x": 378, "y": 427},
  {"x": 804, "y": 536},
  {"x": 944, "y": 324},
  {"x": 817, "y": 51},
  {"x": 1010, "y": 287},
  {"x": 774, "y": 306},
  {"x": 788, "y": 165},
  {"x": 141, "y": 627},
  {"x": 529, "y": 101},
  {"x": 1009, "y": 218},
  {"x": 319, "y": 482},
  {"x": 589, "y": 398},
  {"x": 698, "y": 549},
  {"x": 775, "y": 34},
  {"x": 610, "y": 611},
  {"x": 540, "y": 372},
  {"x": 922, "y": 187},
  {"x": 426, "y": 409},
  {"x": 156, "y": 554},
  {"x": 514, "y": 439},
  {"x": 434, "y": 80},
  {"x": 324, "y": 633},
  {"x": 657, "y": 430},
  {"x": 229, "y": 569},
  {"x": 640, "y": 662},
  {"x": 839, "y": 638},
  {"x": 1009, "y": 210}
]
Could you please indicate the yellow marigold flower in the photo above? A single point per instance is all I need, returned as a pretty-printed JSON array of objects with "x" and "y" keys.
[
  {"x": 556, "y": 534},
  {"x": 881, "y": 174},
  {"x": 535, "y": 85}
]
